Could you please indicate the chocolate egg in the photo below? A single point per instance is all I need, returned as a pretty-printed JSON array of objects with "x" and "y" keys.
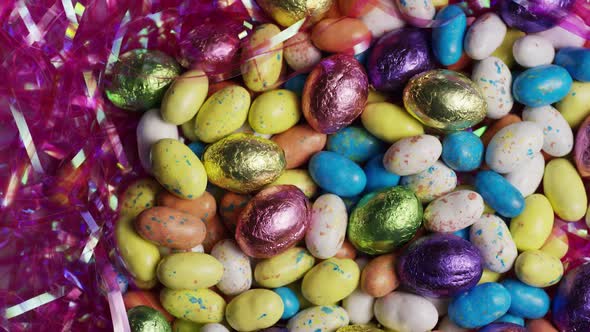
[
  {"x": 140, "y": 79},
  {"x": 444, "y": 99},
  {"x": 146, "y": 319},
  {"x": 384, "y": 220},
  {"x": 440, "y": 265},
  {"x": 287, "y": 12},
  {"x": 397, "y": 56},
  {"x": 273, "y": 221},
  {"x": 335, "y": 93},
  {"x": 571, "y": 307},
  {"x": 243, "y": 163},
  {"x": 534, "y": 15}
]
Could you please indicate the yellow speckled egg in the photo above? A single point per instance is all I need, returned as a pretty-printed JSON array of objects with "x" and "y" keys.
[
  {"x": 330, "y": 281},
  {"x": 504, "y": 51},
  {"x": 291, "y": 11},
  {"x": 189, "y": 270},
  {"x": 319, "y": 318},
  {"x": 533, "y": 226},
  {"x": 390, "y": 122},
  {"x": 139, "y": 196},
  {"x": 274, "y": 111},
  {"x": 184, "y": 97},
  {"x": 565, "y": 190},
  {"x": 575, "y": 106},
  {"x": 182, "y": 325},
  {"x": 140, "y": 256},
  {"x": 284, "y": 268},
  {"x": 489, "y": 276},
  {"x": 199, "y": 306},
  {"x": 254, "y": 309},
  {"x": 178, "y": 169},
  {"x": 299, "y": 178},
  {"x": 538, "y": 268},
  {"x": 557, "y": 244},
  {"x": 188, "y": 129},
  {"x": 262, "y": 72},
  {"x": 222, "y": 113}
]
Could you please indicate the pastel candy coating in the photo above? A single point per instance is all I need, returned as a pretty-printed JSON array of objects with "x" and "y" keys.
[
  {"x": 499, "y": 194},
  {"x": 412, "y": 155},
  {"x": 377, "y": 176},
  {"x": 533, "y": 226},
  {"x": 542, "y": 85},
  {"x": 283, "y": 269},
  {"x": 492, "y": 237},
  {"x": 355, "y": 143},
  {"x": 237, "y": 272},
  {"x": 327, "y": 229},
  {"x": 576, "y": 61},
  {"x": 513, "y": 145},
  {"x": 431, "y": 183},
  {"x": 462, "y": 151},
  {"x": 447, "y": 40},
  {"x": 532, "y": 51},
  {"x": 479, "y": 306},
  {"x": 390, "y": 122},
  {"x": 484, "y": 36},
  {"x": 359, "y": 306},
  {"x": 558, "y": 138},
  {"x": 290, "y": 302},
  {"x": 508, "y": 318},
  {"x": 150, "y": 129},
  {"x": 454, "y": 211},
  {"x": 538, "y": 268},
  {"x": 565, "y": 190},
  {"x": 527, "y": 301},
  {"x": 189, "y": 270},
  {"x": 401, "y": 311},
  {"x": 494, "y": 79},
  {"x": 528, "y": 176},
  {"x": 262, "y": 72},
  {"x": 319, "y": 318},
  {"x": 198, "y": 306},
  {"x": 337, "y": 174},
  {"x": 330, "y": 281},
  {"x": 254, "y": 309},
  {"x": 575, "y": 106}
]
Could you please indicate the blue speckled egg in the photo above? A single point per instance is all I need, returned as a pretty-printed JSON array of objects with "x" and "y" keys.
[
  {"x": 527, "y": 301},
  {"x": 447, "y": 39},
  {"x": 355, "y": 143},
  {"x": 290, "y": 301},
  {"x": 296, "y": 84},
  {"x": 462, "y": 151},
  {"x": 479, "y": 306},
  {"x": 542, "y": 85},
  {"x": 576, "y": 61},
  {"x": 499, "y": 194},
  {"x": 198, "y": 148},
  {"x": 377, "y": 176},
  {"x": 462, "y": 233},
  {"x": 503, "y": 327},
  {"x": 508, "y": 318},
  {"x": 337, "y": 174}
]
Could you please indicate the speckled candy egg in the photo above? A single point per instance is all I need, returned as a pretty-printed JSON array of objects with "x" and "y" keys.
[
  {"x": 199, "y": 306},
  {"x": 262, "y": 72},
  {"x": 389, "y": 122},
  {"x": 237, "y": 272},
  {"x": 462, "y": 151},
  {"x": 538, "y": 268},
  {"x": 416, "y": 12},
  {"x": 335, "y": 76},
  {"x": 542, "y": 85},
  {"x": 322, "y": 318},
  {"x": 336, "y": 174},
  {"x": 382, "y": 19},
  {"x": 378, "y": 277},
  {"x": 484, "y": 36},
  {"x": 528, "y": 176},
  {"x": 359, "y": 306},
  {"x": 328, "y": 226},
  {"x": 274, "y": 111},
  {"x": 440, "y": 265},
  {"x": 412, "y": 155},
  {"x": 300, "y": 53},
  {"x": 355, "y": 143},
  {"x": 571, "y": 308},
  {"x": 558, "y": 138},
  {"x": 189, "y": 270},
  {"x": 170, "y": 228},
  {"x": 330, "y": 281},
  {"x": 453, "y": 211},
  {"x": 531, "y": 51},
  {"x": 513, "y": 145},
  {"x": 538, "y": 15},
  {"x": 300, "y": 143},
  {"x": 284, "y": 268},
  {"x": 401, "y": 311},
  {"x": 222, "y": 113},
  {"x": 341, "y": 35},
  {"x": 150, "y": 129},
  {"x": 479, "y": 306},
  {"x": 431, "y": 183},
  {"x": 254, "y": 309},
  {"x": 494, "y": 79},
  {"x": 492, "y": 237},
  {"x": 273, "y": 221}
]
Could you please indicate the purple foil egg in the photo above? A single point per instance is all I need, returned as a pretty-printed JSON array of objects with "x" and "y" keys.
[
  {"x": 273, "y": 221},
  {"x": 397, "y": 56},
  {"x": 534, "y": 15},
  {"x": 440, "y": 265},
  {"x": 571, "y": 305},
  {"x": 502, "y": 327}
]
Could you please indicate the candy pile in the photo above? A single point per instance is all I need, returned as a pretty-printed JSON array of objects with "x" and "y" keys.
[{"x": 376, "y": 165}]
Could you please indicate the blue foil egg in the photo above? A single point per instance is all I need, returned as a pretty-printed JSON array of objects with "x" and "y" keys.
[
  {"x": 576, "y": 61},
  {"x": 508, "y": 318},
  {"x": 500, "y": 194},
  {"x": 447, "y": 39},
  {"x": 479, "y": 306},
  {"x": 542, "y": 85},
  {"x": 462, "y": 151},
  {"x": 527, "y": 301},
  {"x": 290, "y": 301},
  {"x": 337, "y": 174},
  {"x": 377, "y": 176},
  {"x": 355, "y": 143}
]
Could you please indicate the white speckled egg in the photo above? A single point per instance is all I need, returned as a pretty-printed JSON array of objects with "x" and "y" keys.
[
  {"x": 431, "y": 183},
  {"x": 401, "y": 311},
  {"x": 412, "y": 155},
  {"x": 420, "y": 9},
  {"x": 237, "y": 272},
  {"x": 532, "y": 51},
  {"x": 319, "y": 318},
  {"x": 359, "y": 306},
  {"x": 512, "y": 145},
  {"x": 213, "y": 327},
  {"x": 528, "y": 176},
  {"x": 150, "y": 129},
  {"x": 558, "y": 138},
  {"x": 491, "y": 236},
  {"x": 328, "y": 226},
  {"x": 494, "y": 79},
  {"x": 453, "y": 211},
  {"x": 484, "y": 36}
]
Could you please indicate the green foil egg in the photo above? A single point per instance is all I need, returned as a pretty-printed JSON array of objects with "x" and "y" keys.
[
  {"x": 146, "y": 319},
  {"x": 140, "y": 79},
  {"x": 384, "y": 220}
]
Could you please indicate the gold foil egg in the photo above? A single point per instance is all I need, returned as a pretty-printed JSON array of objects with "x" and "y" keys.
[
  {"x": 287, "y": 12},
  {"x": 445, "y": 100},
  {"x": 359, "y": 328},
  {"x": 243, "y": 163}
]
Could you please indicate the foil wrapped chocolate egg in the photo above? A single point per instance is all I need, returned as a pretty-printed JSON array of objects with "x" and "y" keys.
[
  {"x": 384, "y": 220},
  {"x": 273, "y": 221},
  {"x": 243, "y": 163},
  {"x": 146, "y": 319},
  {"x": 571, "y": 305},
  {"x": 445, "y": 100},
  {"x": 440, "y": 265},
  {"x": 140, "y": 79},
  {"x": 534, "y": 15},
  {"x": 287, "y": 12},
  {"x": 335, "y": 93}
]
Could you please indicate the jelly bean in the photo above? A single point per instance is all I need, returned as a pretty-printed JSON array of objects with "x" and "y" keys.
[
  {"x": 254, "y": 309},
  {"x": 480, "y": 306},
  {"x": 390, "y": 122},
  {"x": 296, "y": 84},
  {"x": 337, "y": 174},
  {"x": 558, "y": 136},
  {"x": 561, "y": 37},
  {"x": 171, "y": 228},
  {"x": 262, "y": 72},
  {"x": 565, "y": 190},
  {"x": 300, "y": 178},
  {"x": 412, "y": 155},
  {"x": 284, "y": 268},
  {"x": 300, "y": 53},
  {"x": 199, "y": 306},
  {"x": 513, "y": 145},
  {"x": 462, "y": 151},
  {"x": 300, "y": 143},
  {"x": 557, "y": 244},
  {"x": 537, "y": 268},
  {"x": 359, "y": 306},
  {"x": 189, "y": 270},
  {"x": 533, "y": 226},
  {"x": 328, "y": 226},
  {"x": 401, "y": 311},
  {"x": 150, "y": 129},
  {"x": 575, "y": 106},
  {"x": 184, "y": 97},
  {"x": 382, "y": 19},
  {"x": 133, "y": 299},
  {"x": 540, "y": 325},
  {"x": 453, "y": 211},
  {"x": 377, "y": 176},
  {"x": 499, "y": 193},
  {"x": 274, "y": 112},
  {"x": 140, "y": 256},
  {"x": 489, "y": 276},
  {"x": 415, "y": 11},
  {"x": 447, "y": 39},
  {"x": 140, "y": 195},
  {"x": 532, "y": 51},
  {"x": 576, "y": 61},
  {"x": 528, "y": 176},
  {"x": 497, "y": 126},
  {"x": 340, "y": 35},
  {"x": 508, "y": 318},
  {"x": 222, "y": 113},
  {"x": 492, "y": 237},
  {"x": 378, "y": 277},
  {"x": 542, "y": 85},
  {"x": 526, "y": 301},
  {"x": 290, "y": 302},
  {"x": 319, "y": 318},
  {"x": 237, "y": 272},
  {"x": 504, "y": 51},
  {"x": 484, "y": 36},
  {"x": 355, "y": 143},
  {"x": 330, "y": 281},
  {"x": 431, "y": 183},
  {"x": 213, "y": 327},
  {"x": 182, "y": 325},
  {"x": 494, "y": 79}
]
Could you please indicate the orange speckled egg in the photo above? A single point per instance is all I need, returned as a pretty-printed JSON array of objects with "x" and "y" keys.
[
  {"x": 341, "y": 35},
  {"x": 215, "y": 232},
  {"x": 346, "y": 251},
  {"x": 230, "y": 207},
  {"x": 300, "y": 143},
  {"x": 170, "y": 228},
  {"x": 300, "y": 53},
  {"x": 378, "y": 277},
  {"x": 203, "y": 207}
]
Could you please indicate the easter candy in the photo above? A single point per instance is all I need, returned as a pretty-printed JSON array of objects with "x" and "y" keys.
[
  {"x": 203, "y": 207},
  {"x": 199, "y": 306},
  {"x": 431, "y": 183},
  {"x": 537, "y": 268},
  {"x": 532, "y": 51},
  {"x": 504, "y": 51},
  {"x": 213, "y": 327},
  {"x": 359, "y": 306},
  {"x": 140, "y": 195},
  {"x": 274, "y": 111},
  {"x": 581, "y": 156},
  {"x": 574, "y": 107},
  {"x": 447, "y": 325},
  {"x": 146, "y": 319},
  {"x": 337, "y": 174},
  {"x": 540, "y": 325},
  {"x": 360, "y": 328},
  {"x": 273, "y": 221},
  {"x": 290, "y": 302},
  {"x": 496, "y": 126},
  {"x": 140, "y": 256},
  {"x": 171, "y": 228},
  {"x": 140, "y": 78},
  {"x": 441, "y": 304},
  {"x": 447, "y": 40},
  {"x": 254, "y": 309},
  {"x": 230, "y": 207},
  {"x": 390, "y": 122},
  {"x": 300, "y": 143},
  {"x": 384, "y": 220},
  {"x": 237, "y": 273},
  {"x": 243, "y": 163},
  {"x": 283, "y": 268},
  {"x": 300, "y": 178},
  {"x": 189, "y": 270},
  {"x": 527, "y": 177},
  {"x": 341, "y": 35},
  {"x": 565, "y": 190},
  {"x": 330, "y": 281},
  {"x": 484, "y": 36},
  {"x": 401, "y": 311},
  {"x": 150, "y": 129},
  {"x": 412, "y": 155},
  {"x": 378, "y": 277},
  {"x": 222, "y": 113},
  {"x": 354, "y": 8},
  {"x": 440, "y": 265},
  {"x": 453, "y": 211},
  {"x": 492, "y": 237},
  {"x": 503, "y": 327},
  {"x": 533, "y": 226},
  {"x": 570, "y": 306},
  {"x": 355, "y": 143},
  {"x": 542, "y": 85},
  {"x": 415, "y": 12},
  {"x": 513, "y": 145},
  {"x": 322, "y": 318},
  {"x": 133, "y": 299},
  {"x": 296, "y": 83},
  {"x": 177, "y": 168},
  {"x": 444, "y": 99},
  {"x": 508, "y": 318},
  {"x": 528, "y": 302},
  {"x": 300, "y": 53},
  {"x": 462, "y": 151},
  {"x": 494, "y": 79},
  {"x": 537, "y": 16},
  {"x": 377, "y": 176},
  {"x": 558, "y": 137},
  {"x": 397, "y": 56},
  {"x": 184, "y": 97},
  {"x": 480, "y": 306},
  {"x": 489, "y": 276},
  {"x": 337, "y": 75},
  {"x": 188, "y": 131},
  {"x": 328, "y": 226},
  {"x": 382, "y": 19},
  {"x": 262, "y": 72},
  {"x": 557, "y": 244},
  {"x": 287, "y": 13},
  {"x": 499, "y": 194},
  {"x": 346, "y": 251},
  {"x": 576, "y": 61}
]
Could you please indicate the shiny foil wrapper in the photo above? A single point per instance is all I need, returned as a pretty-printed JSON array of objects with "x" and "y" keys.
[
  {"x": 440, "y": 265},
  {"x": 359, "y": 328},
  {"x": 384, "y": 220},
  {"x": 243, "y": 163},
  {"x": 534, "y": 15},
  {"x": 287, "y": 12},
  {"x": 335, "y": 93},
  {"x": 445, "y": 100},
  {"x": 140, "y": 79},
  {"x": 146, "y": 319},
  {"x": 571, "y": 305},
  {"x": 273, "y": 221}
]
